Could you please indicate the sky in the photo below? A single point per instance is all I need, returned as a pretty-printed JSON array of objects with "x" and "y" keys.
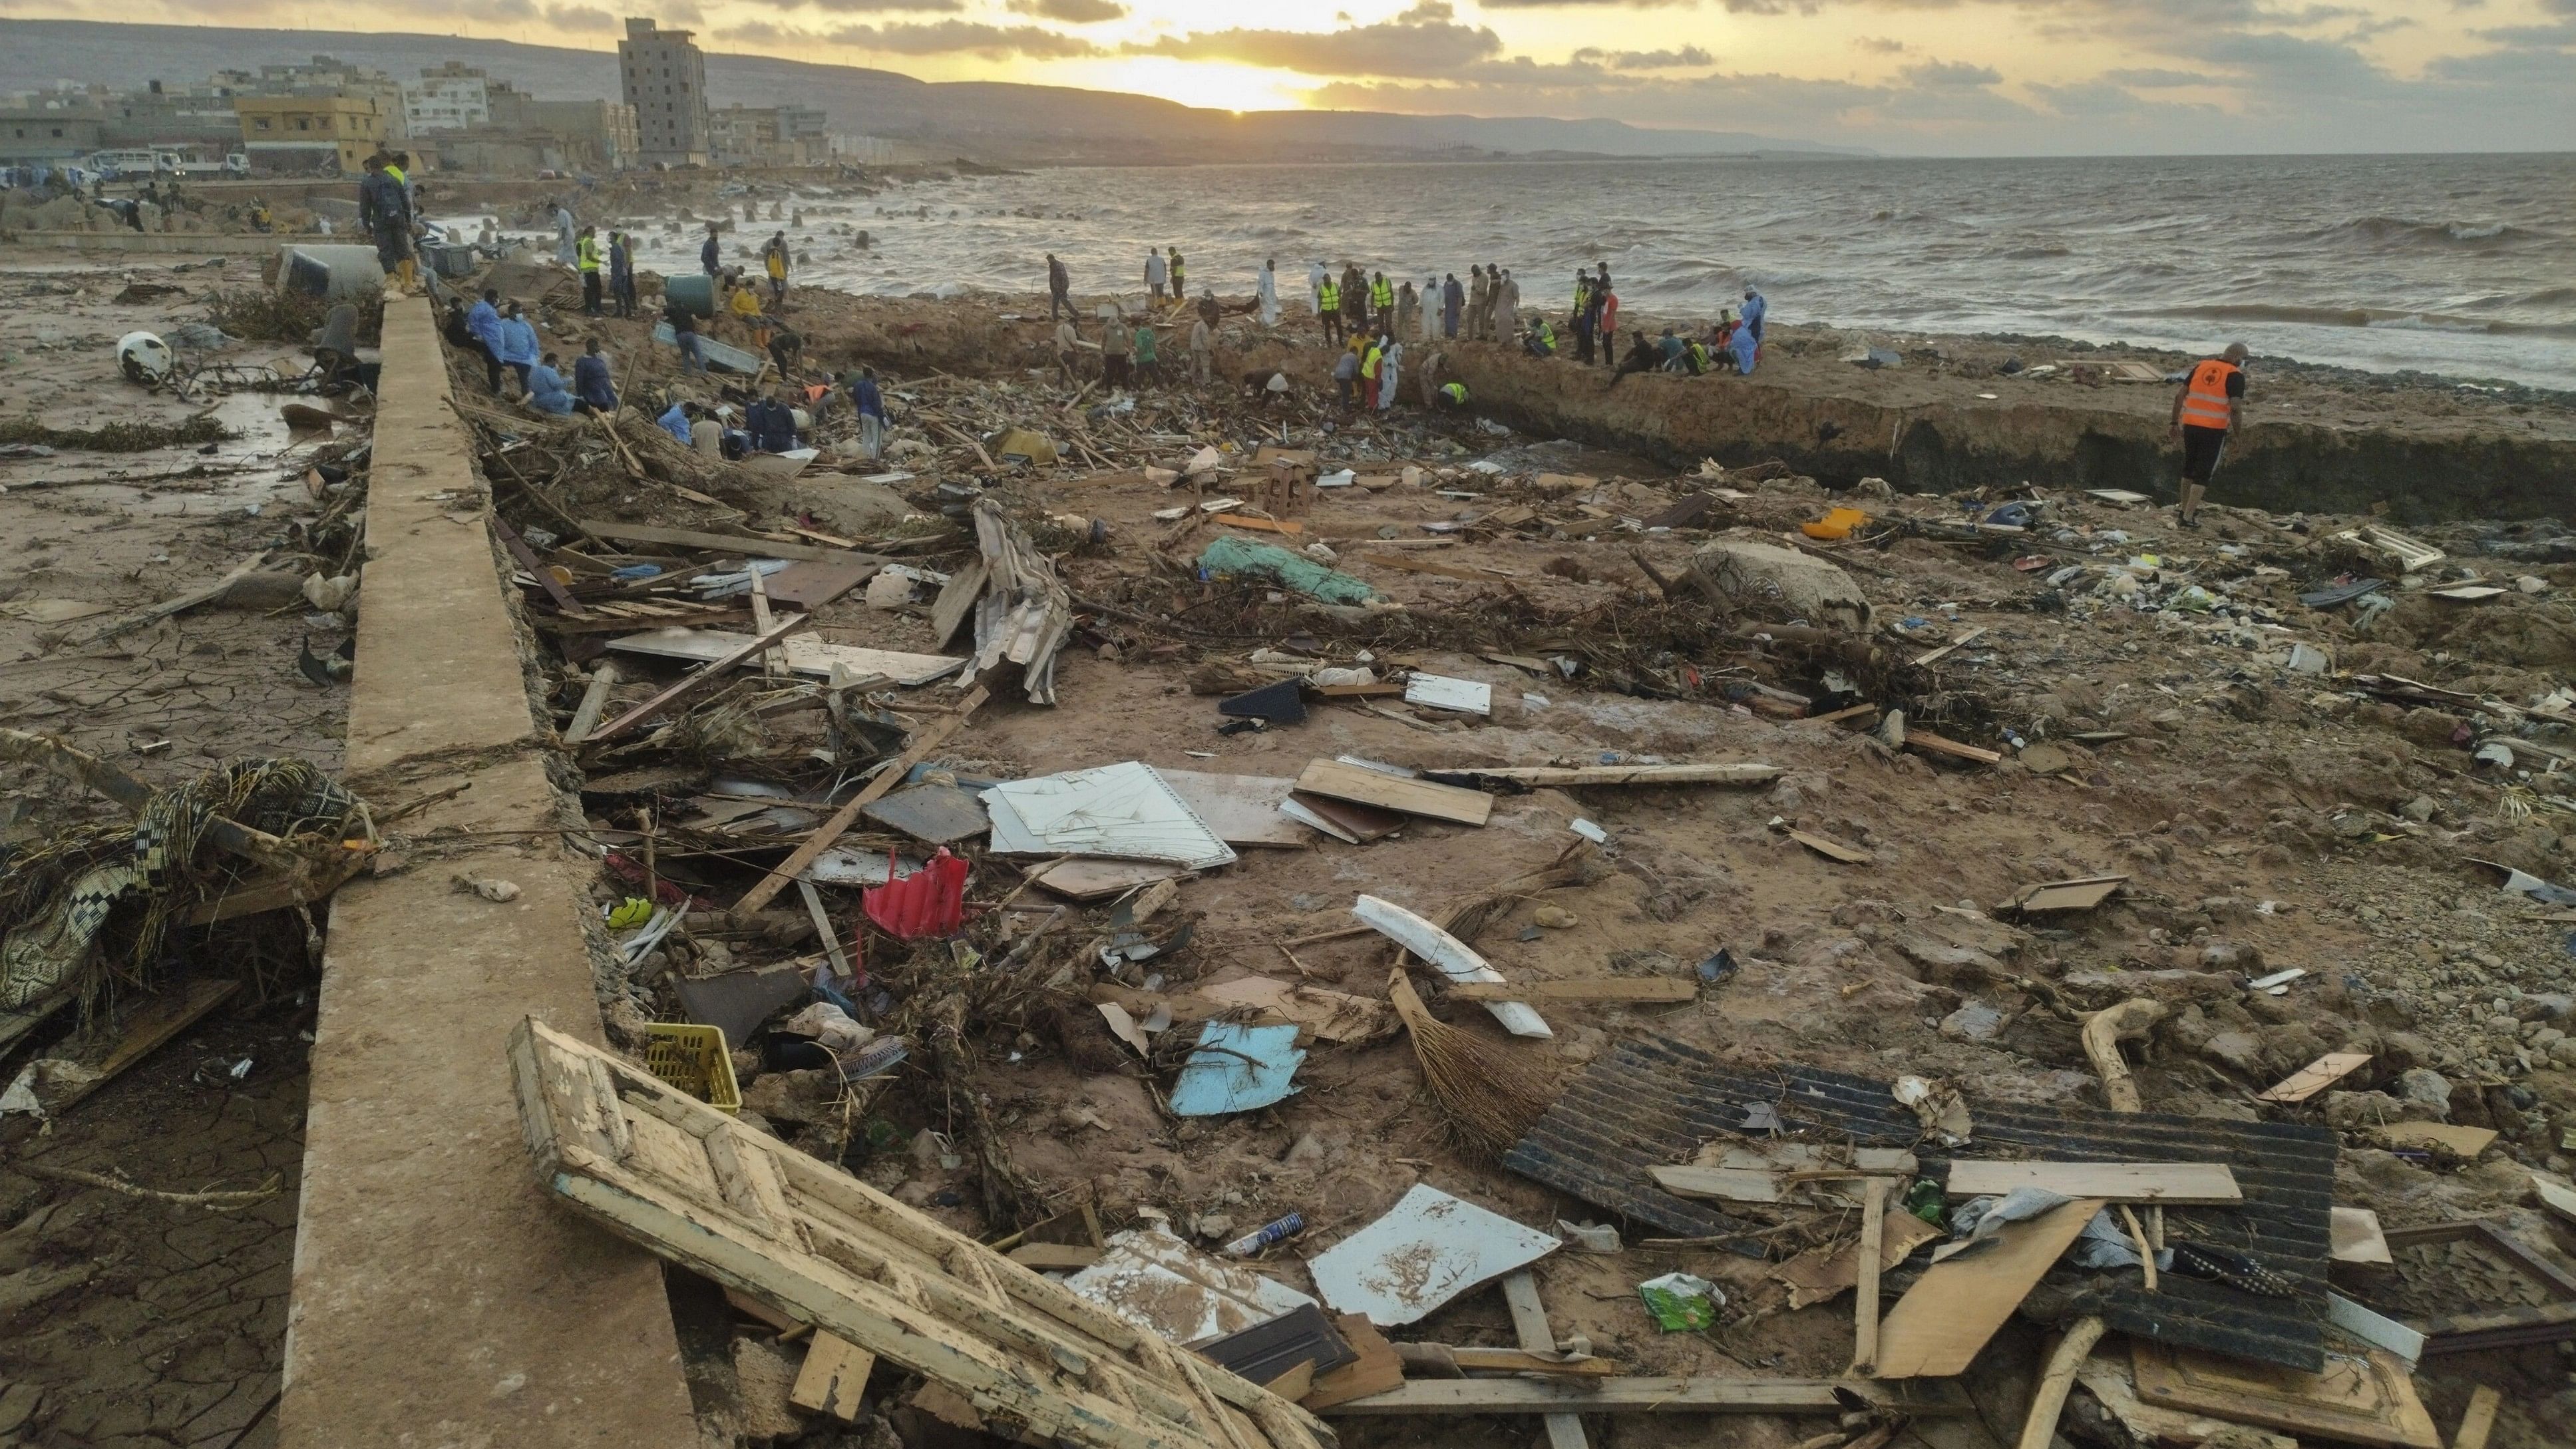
[{"x": 1964, "y": 77}]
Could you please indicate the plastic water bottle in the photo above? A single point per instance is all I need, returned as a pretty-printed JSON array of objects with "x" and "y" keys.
[{"x": 1265, "y": 1235}]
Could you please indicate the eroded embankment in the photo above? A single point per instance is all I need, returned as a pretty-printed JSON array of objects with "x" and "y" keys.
[{"x": 2421, "y": 464}]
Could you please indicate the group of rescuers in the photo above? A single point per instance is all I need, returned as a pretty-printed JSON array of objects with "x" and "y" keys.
[{"x": 1365, "y": 315}]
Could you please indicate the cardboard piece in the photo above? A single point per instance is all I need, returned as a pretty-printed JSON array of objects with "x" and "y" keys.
[
  {"x": 2357, "y": 1238},
  {"x": 2467, "y": 1142},
  {"x": 1821, "y": 1274}
]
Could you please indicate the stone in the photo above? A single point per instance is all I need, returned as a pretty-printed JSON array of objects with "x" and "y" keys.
[
  {"x": 2422, "y": 1084},
  {"x": 1947, "y": 964},
  {"x": 2238, "y": 1051},
  {"x": 1781, "y": 583},
  {"x": 2346, "y": 1110},
  {"x": 2231, "y": 956},
  {"x": 1975, "y": 1021},
  {"x": 2421, "y": 809}
]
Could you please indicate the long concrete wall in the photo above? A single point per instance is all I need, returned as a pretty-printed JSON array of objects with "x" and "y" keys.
[
  {"x": 174, "y": 243},
  {"x": 440, "y": 1298}
]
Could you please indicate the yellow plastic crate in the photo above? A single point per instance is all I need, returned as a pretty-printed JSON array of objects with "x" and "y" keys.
[{"x": 693, "y": 1058}]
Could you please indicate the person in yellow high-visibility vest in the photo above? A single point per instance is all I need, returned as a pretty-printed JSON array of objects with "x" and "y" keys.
[
  {"x": 1382, "y": 303},
  {"x": 585, "y": 256},
  {"x": 746, "y": 307},
  {"x": 1328, "y": 307},
  {"x": 2207, "y": 409}
]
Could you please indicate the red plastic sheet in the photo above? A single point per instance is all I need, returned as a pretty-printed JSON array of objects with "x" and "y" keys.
[{"x": 929, "y": 902}]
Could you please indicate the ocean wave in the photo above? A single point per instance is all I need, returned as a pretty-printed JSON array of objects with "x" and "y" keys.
[
  {"x": 2415, "y": 321},
  {"x": 2408, "y": 231}
]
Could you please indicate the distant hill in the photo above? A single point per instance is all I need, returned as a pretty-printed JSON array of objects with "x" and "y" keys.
[{"x": 987, "y": 120}]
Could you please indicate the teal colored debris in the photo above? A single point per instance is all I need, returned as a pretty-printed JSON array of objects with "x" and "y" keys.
[
  {"x": 1236, "y": 1069},
  {"x": 1242, "y": 557}
]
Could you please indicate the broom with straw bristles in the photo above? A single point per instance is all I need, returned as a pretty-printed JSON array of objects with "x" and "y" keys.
[{"x": 1490, "y": 1094}]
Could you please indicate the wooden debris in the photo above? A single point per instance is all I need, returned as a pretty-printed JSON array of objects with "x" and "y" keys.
[
  {"x": 2464, "y": 1141},
  {"x": 1821, "y": 1274},
  {"x": 698, "y": 681},
  {"x": 1449, "y": 1361},
  {"x": 1062, "y": 1257},
  {"x": 724, "y": 544},
  {"x": 2048, "y": 1400},
  {"x": 2478, "y": 1421},
  {"x": 1025, "y": 615},
  {"x": 594, "y": 699},
  {"x": 1868, "y": 1261},
  {"x": 2102, "y": 1034},
  {"x": 695, "y": 1186},
  {"x": 2363, "y": 1400},
  {"x": 833, "y": 1376},
  {"x": 1937, "y": 1328},
  {"x": 151, "y": 1024},
  {"x": 1832, "y": 849},
  {"x": 1529, "y": 1325},
  {"x": 1697, "y": 1395},
  {"x": 1377, "y": 1370},
  {"x": 923, "y": 743},
  {"x": 1919, "y": 738},
  {"x": 2355, "y": 1236},
  {"x": 1543, "y": 776},
  {"x": 1338, "y": 781},
  {"x": 2176, "y": 1184},
  {"x": 812, "y": 657},
  {"x": 2315, "y": 1077}
]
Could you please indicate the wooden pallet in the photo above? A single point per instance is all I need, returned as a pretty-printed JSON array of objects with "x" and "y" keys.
[{"x": 691, "y": 1184}]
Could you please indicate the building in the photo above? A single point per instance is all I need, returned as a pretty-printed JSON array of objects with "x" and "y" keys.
[
  {"x": 588, "y": 135},
  {"x": 309, "y": 135},
  {"x": 322, "y": 76},
  {"x": 665, "y": 80},
  {"x": 196, "y": 121},
  {"x": 33, "y": 134},
  {"x": 452, "y": 97},
  {"x": 768, "y": 136}
]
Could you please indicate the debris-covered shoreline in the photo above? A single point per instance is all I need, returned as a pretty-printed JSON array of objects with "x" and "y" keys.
[{"x": 1198, "y": 831}]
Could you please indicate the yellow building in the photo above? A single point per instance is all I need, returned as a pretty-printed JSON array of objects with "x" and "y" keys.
[{"x": 309, "y": 135}]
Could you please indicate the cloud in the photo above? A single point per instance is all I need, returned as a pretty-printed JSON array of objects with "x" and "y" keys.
[
  {"x": 1942, "y": 75},
  {"x": 1424, "y": 41},
  {"x": 1878, "y": 45},
  {"x": 1684, "y": 58},
  {"x": 1072, "y": 12},
  {"x": 963, "y": 37},
  {"x": 880, "y": 7}
]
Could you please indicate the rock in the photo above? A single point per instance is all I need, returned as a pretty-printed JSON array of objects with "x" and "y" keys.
[
  {"x": 2423, "y": 1084},
  {"x": 1948, "y": 964},
  {"x": 1779, "y": 583},
  {"x": 1975, "y": 1021},
  {"x": 1555, "y": 918},
  {"x": 762, "y": 1377},
  {"x": 2231, "y": 956},
  {"x": 2238, "y": 1051},
  {"x": 2346, "y": 1110},
  {"x": 1304, "y": 1152},
  {"x": 2421, "y": 809},
  {"x": 2109, "y": 988}
]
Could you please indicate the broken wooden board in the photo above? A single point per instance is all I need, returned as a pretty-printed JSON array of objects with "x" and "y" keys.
[
  {"x": 693, "y": 1185},
  {"x": 2315, "y": 1077},
  {"x": 2176, "y": 1184},
  {"x": 2477, "y": 1422},
  {"x": 1337, "y": 781},
  {"x": 1832, "y": 849},
  {"x": 1059, "y": 1257},
  {"x": 1333, "y": 1015},
  {"x": 1726, "y": 1184},
  {"x": 1937, "y": 1328},
  {"x": 1347, "y": 821},
  {"x": 1098, "y": 880},
  {"x": 2081, "y": 894},
  {"x": 2363, "y": 1399},
  {"x": 724, "y": 544},
  {"x": 2467, "y": 1142},
  {"x": 811, "y": 584},
  {"x": 833, "y": 1376},
  {"x": 1150, "y": 1279},
  {"x": 1259, "y": 525},
  {"x": 151, "y": 1024},
  {"x": 1241, "y": 809},
  {"x": 2556, "y": 1197},
  {"x": 1821, "y": 1274},
  {"x": 1917, "y": 738},
  {"x": 1376, "y": 1371},
  {"x": 1701, "y": 1395},
  {"x": 1266, "y": 1351},
  {"x": 1617, "y": 989},
  {"x": 2106, "y": 1376},
  {"x": 805, "y": 656}
]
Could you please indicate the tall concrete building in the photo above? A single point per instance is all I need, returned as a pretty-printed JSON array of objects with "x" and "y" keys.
[{"x": 665, "y": 76}]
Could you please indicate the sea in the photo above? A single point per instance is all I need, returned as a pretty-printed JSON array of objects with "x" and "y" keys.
[{"x": 2463, "y": 266}]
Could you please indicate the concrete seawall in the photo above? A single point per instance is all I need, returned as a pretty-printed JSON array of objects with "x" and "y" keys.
[{"x": 439, "y": 1297}]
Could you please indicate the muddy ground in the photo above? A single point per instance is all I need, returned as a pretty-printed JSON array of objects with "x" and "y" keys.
[
  {"x": 2268, "y": 817},
  {"x": 127, "y": 1321}
]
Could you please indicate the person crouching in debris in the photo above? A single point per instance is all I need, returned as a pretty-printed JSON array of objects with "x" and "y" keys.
[
  {"x": 1747, "y": 346},
  {"x": 546, "y": 390},
  {"x": 483, "y": 321},
  {"x": 787, "y": 349},
  {"x": 335, "y": 351},
  {"x": 1453, "y": 397},
  {"x": 772, "y": 424},
  {"x": 593, "y": 391},
  {"x": 1540, "y": 339},
  {"x": 678, "y": 419},
  {"x": 1643, "y": 356}
]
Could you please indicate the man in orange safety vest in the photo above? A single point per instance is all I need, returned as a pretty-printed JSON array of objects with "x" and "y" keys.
[{"x": 2206, "y": 410}]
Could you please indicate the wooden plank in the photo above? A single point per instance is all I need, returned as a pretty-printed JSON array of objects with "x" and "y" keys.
[
  {"x": 956, "y": 603},
  {"x": 176, "y": 603},
  {"x": 700, "y": 680},
  {"x": 697, "y": 1187},
  {"x": 2465, "y": 1141},
  {"x": 594, "y": 700},
  {"x": 1660, "y": 1395},
  {"x": 1530, "y": 1327},
  {"x": 1447, "y": 1360},
  {"x": 153, "y": 1024},
  {"x": 1820, "y": 1275},
  {"x": 2066, "y": 895},
  {"x": 1241, "y": 809},
  {"x": 527, "y": 559},
  {"x": 2315, "y": 1077},
  {"x": 813, "y": 657},
  {"x": 1932, "y": 744},
  {"x": 1062, "y": 1257},
  {"x": 810, "y": 585},
  {"x": 1378, "y": 1369},
  {"x": 1726, "y": 1184},
  {"x": 724, "y": 544},
  {"x": 1937, "y": 1328},
  {"x": 2478, "y": 1421},
  {"x": 1610, "y": 989},
  {"x": 628, "y": 618},
  {"x": 1867, "y": 1265},
  {"x": 1260, "y": 525},
  {"x": 1935, "y": 656},
  {"x": 1337, "y": 781},
  {"x": 2363, "y": 1400},
  {"x": 1832, "y": 849},
  {"x": 2175, "y": 1184},
  {"x": 1535, "y": 776},
  {"x": 929, "y": 739},
  {"x": 834, "y": 1375}
]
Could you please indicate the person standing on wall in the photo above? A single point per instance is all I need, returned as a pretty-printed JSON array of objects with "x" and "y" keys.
[
  {"x": 586, "y": 258},
  {"x": 2208, "y": 408},
  {"x": 1154, "y": 274},
  {"x": 621, "y": 272}
]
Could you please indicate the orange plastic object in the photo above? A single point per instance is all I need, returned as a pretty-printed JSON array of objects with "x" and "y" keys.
[{"x": 1837, "y": 523}]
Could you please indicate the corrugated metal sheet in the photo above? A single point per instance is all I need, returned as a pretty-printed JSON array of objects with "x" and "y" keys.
[{"x": 1652, "y": 1101}]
